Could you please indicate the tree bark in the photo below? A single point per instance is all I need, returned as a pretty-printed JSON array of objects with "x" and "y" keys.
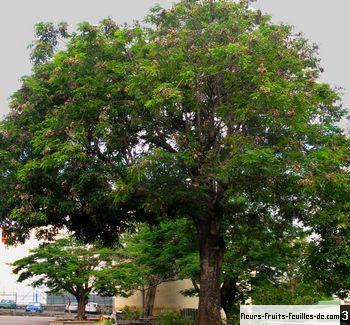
[
  {"x": 143, "y": 297},
  {"x": 228, "y": 295},
  {"x": 69, "y": 303},
  {"x": 82, "y": 301},
  {"x": 211, "y": 256},
  {"x": 150, "y": 297}
]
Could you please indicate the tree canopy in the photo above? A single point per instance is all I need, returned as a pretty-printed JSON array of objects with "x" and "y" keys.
[
  {"x": 211, "y": 112},
  {"x": 68, "y": 266}
]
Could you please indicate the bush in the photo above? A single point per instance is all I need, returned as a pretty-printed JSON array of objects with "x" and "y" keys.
[
  {"x": 171, "y": 317},
  {"x": 130, "y": 314}
]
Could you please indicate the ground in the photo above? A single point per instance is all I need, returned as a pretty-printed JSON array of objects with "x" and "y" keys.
[{"x": 24, "y": 320}]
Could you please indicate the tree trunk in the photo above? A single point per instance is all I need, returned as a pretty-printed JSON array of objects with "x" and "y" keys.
[
  {"x": 229, "y": 297},
  {"x": 150, "y": 297},
  {"x": 143, "y": 297},
  {"x": 211, "y": 256},
  {"x": 82, "y": 301},
  {"x": 68, "y": 304},
  {"x": 293, "y": 286}
]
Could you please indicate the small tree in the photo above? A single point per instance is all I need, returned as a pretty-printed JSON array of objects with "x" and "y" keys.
[
  {"x": 165, "y": 253},
  {"x": 69, "y": 266}
]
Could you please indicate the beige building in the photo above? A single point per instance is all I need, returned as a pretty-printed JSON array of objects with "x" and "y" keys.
[{"x": 168, "y": 296}]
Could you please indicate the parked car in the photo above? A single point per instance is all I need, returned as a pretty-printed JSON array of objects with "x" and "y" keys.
[
  {"x": 7, "y": 304},
  {"x": 72, "y": 307},
  {"x": 34, "y": 307},
  {"x": 91, "y": 307}
]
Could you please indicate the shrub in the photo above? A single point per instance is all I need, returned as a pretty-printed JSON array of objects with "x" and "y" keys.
[
  {"x": 130, "y": 314},
  {"x": 171, "y": 317}
]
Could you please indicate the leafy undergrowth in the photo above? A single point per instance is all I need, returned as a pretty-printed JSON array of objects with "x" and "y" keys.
[{"x": 170, "y": 317}]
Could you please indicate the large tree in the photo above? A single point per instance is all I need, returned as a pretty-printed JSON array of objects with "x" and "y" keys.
[
  {"x": 212, "y": 112},
  {"x": 69, "y": 266},
  {"x": 244, "y": 128}
]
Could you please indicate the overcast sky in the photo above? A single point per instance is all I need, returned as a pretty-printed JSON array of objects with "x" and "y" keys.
[{"x": 325, "y": 22}]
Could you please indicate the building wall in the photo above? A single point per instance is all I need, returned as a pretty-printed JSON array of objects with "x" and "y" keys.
[{"x": 168, "y": 296}]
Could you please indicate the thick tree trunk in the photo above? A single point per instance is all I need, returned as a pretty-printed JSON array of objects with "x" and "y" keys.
[
  {"x": 82, "y": 301},
  {"x": 211, "y": 256}
]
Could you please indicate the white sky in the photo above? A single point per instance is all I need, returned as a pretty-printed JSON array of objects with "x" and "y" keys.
[
  {"x": 325, "y": 22},
  {"x": 8, "y": 284}
]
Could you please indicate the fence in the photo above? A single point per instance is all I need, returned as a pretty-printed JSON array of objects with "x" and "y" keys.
[
  {"x": 189, "y": 313},
  {"x": 53, "y": 302},
  {"x": 60, "y": 301},
  {"x": 24, "y": 298}
]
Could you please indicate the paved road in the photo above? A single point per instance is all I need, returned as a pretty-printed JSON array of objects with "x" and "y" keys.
[{"x": 24, "y": 320}]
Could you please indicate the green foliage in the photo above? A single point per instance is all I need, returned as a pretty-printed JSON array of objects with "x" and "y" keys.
[
  {"x": 75, "y": 120},
  {"x": 270, "y": 264},
  {"x": 272, "y": 294},
  {"x": 171, "y": 317},
  {"x": 330, "y": 253},
  {"x": 166, "y": 252},
  {"x": 68, "y": 265},
  {"x": 140, "y": 123},
  {"x": 213, "y": 113},
  {"x": 48, "y": 36},
  {"x": 62, "y": 141},
  {"x": 130, "y": 313},
  {"x": 290, "y": 283}
]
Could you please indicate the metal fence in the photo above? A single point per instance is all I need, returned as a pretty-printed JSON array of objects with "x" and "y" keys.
[
  {"x": 189, "y": 313},
  {"x": 24, "y": 298},
  {"x": 53, "y": 302},
  {"x": 60, "y": 301}
]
